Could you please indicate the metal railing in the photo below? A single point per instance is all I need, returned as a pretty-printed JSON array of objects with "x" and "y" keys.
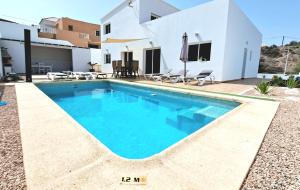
[{"x": 47, "y": 29}]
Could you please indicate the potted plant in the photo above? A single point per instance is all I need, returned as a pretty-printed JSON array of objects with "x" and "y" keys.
[{"x": 92, "y": 66}]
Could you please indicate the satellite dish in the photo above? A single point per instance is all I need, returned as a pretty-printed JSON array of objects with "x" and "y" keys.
[{"x": 130, "y": 3}]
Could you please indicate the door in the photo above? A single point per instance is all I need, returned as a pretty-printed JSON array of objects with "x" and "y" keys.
[
  {"x": 156, "y": 61},
  {"x": 244, "y": 63},
  {"x": 152, "y": 61}
]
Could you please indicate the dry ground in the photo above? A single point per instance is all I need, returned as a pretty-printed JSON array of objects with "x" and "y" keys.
[
  {"x": 277, "y": 165},
  {"x": 11, "y": 159}
]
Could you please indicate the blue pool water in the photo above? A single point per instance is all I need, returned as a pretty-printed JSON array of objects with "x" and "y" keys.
[{"x": 135, "y": 122}]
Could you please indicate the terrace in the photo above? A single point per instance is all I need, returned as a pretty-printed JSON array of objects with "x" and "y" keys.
[{"x": 80, "y": 166}]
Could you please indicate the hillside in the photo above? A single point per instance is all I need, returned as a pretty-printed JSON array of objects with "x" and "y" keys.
[{"x": 273, "y": 58}]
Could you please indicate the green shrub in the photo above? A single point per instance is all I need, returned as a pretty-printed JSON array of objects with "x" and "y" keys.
[
  {"x": 292, "y": 82},
  {"x": 263, "y": 87},
  {"x": 277, "y": 81}
]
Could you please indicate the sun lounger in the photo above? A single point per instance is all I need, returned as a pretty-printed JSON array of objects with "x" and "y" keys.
[
  {"x": 56, "y": 75},
  {"x": 81, "y": 75},
  {"x": 179, "y": 77},
  {"x": 96, "y": 75},
  {"x": 152, "y": 76},
  {"x": 157, "y": 76},
  {"x": 203, "y": 76}
]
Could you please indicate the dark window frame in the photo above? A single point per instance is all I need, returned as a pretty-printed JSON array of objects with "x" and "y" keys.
[
  {"x": 205, "y": 52},
  {"x": 193, "y": 54},
  {"x": 200, "y": 51},
  {"x": 154, "y": 16},
  {"x": 107, "y": 28},
  {"x": 107, "y": 58},
  {"x": 97, "y": 33}
]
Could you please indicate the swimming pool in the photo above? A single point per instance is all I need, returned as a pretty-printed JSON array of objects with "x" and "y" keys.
[{"x": 135, "y": 122}]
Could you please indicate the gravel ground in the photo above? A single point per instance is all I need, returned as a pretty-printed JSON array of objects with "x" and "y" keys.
[
  {"x": 11, "y": 159},
  {"x": 277, "y": 165}
]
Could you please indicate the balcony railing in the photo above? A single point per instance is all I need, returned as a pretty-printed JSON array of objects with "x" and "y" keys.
[{"x": 46, "y": 29}]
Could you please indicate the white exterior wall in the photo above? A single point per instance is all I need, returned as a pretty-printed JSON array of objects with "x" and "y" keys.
[
  {"x": 125, "y": 24},
  {"x": 16, "y": 31},
  {"x": 158, "y": 7},
  {"x": 220, "y": 22},
  {"x": 167, "y": 32},
  {"x": 17, "y": 51},
  {"x": 95, "y": 55},
  {"x": 241, "y": 33},
  {"x": 81, "y": 57}
]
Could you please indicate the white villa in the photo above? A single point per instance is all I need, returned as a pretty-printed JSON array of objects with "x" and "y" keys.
[{"x": 221, "y": 38}]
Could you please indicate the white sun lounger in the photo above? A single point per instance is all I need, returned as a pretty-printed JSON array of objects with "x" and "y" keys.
[
  {"x": 96, "y": 75},
  {"x": 203, "y": 76},
  {"x": 81, "y": 75},
  {"x": 156, "y": 76},
  {"x": 56, "y": 75},
  {"x": 179, "y": 77}
]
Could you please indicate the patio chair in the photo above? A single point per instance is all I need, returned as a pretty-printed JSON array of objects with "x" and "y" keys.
[
  {"x": 203, "y": 76},
  {"x": 115, "y": 71},
  {"x": 135, "y": 68},
  {"x": 119, "y": 68},
  {"x": 56, "y": 75}
]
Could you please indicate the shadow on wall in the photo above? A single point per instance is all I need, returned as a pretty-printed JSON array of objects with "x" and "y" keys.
[{"x": 166, "y": 68}]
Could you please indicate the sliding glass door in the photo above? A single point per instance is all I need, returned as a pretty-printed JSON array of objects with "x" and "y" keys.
[{"x": 152, "y": 59}]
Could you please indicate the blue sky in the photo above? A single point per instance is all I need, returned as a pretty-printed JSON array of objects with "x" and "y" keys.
[{"x": 274, "y": 18}]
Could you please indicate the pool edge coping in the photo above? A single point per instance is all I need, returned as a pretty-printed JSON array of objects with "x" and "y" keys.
[{"x": 188, "y": 138}]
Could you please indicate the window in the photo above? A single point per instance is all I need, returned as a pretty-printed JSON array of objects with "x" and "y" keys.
[
  {"x": 97, "y": 33},
  {"x": 70, "y": 28},
  {"x": 107, "y": 29},
  {"x": 193, "y": 52},
  {"x": 107, "y": 58},
  {"x": 94, "y": 46},
  {"x": 204, "y": 52},
  {"x": 84, "y": 36},
  {"x": 250, "y": 58},
  {"x": 154, "y": 16},
  {"x": 199, "y": 52}
]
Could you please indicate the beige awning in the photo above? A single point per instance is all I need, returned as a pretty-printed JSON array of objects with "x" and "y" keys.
[{"x": 110, "y": 40}]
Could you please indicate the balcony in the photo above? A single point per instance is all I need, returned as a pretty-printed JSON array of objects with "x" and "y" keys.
[{"x": 46, "y": 29}]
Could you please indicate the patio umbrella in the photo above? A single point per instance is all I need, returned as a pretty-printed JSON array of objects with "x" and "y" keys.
[{"x": 184, "y": 51}]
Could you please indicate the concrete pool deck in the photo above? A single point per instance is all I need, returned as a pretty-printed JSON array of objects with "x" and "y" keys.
[{"x": 60, "y": 154}]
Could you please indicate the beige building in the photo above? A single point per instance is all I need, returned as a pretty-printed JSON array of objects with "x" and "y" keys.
[{"x": 79, "y": 33}]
